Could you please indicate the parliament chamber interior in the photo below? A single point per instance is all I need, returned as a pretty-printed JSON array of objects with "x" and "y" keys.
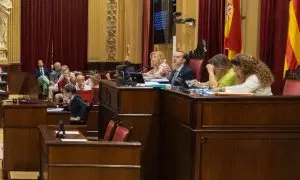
[{"x": 149, "y": 89}]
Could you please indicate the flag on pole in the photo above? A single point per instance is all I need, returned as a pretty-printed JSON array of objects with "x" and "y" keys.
[
  {"x": 292, "y": 55},
  {"x": 233, "y": 26}
]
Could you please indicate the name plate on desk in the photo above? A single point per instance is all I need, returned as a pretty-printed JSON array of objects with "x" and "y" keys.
[{"x": 70, "y": 132}]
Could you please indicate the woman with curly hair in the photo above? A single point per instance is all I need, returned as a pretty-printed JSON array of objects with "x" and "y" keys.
[
  {"x": 253, "y": 76},
  {"x": 160, "y": 67}
]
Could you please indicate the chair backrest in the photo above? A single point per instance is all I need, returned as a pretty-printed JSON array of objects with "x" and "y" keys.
[
  {"x": 111, "y": 127},
  {"x": 87, "y": 96},
  {"x": 121, "y": 134},
  {"x": 291, "y": 87},
  {"x": 197, "y": 67}
]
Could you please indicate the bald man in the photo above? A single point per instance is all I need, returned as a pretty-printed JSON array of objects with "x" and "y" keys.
[{"x": 81, "y": 84}]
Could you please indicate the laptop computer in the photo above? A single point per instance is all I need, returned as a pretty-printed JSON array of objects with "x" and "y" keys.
[{"x": 137, "y": 78}]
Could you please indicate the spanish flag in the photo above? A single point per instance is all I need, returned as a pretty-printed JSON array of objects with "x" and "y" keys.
[
  {"x": 292, "y": 55},
  {"x": 233, "y": 25}
]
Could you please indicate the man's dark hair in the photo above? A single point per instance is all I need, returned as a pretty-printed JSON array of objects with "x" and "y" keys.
[{"x": 69, "y": 88}]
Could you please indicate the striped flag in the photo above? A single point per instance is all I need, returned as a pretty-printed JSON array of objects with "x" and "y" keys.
[
  {"x": 233, "y": 26},
  {"x": 292, "y": 55}
]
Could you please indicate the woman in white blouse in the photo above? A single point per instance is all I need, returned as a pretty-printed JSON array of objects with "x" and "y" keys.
[{"x": 253, "y": 76}]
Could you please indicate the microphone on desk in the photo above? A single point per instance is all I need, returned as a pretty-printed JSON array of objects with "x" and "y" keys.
[{"x": 141, "y": 69}]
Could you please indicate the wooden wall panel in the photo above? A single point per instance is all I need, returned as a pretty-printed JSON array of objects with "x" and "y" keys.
[
  {"x": 251, "y": 26},
  {"x": 187, "y": 37},
  {"x": 97, "y": 31},
  {"x": 14, "y": 33},
  {"x": 128, "y": 31},
  {"x": 133, "y": 30}
]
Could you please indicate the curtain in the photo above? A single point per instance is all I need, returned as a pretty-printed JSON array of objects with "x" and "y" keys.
[
  {"x": 211, "y": 25},
  {"x": 273, "y": 37},
  {"x": 35, "y": 33},
  {"x": 147, "y": 32},
  {"x": 70, "y": 32}
]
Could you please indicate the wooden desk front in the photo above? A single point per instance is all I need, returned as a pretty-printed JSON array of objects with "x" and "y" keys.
[
  {"x": 21, "y": 143},
  {"x": 91, "y": 160},
  {"x": 92, "y": 124},
  {"x": 216, "y": 138},
  {"x": 229, "y": 138},
  {"x": 137, "y": 108}
]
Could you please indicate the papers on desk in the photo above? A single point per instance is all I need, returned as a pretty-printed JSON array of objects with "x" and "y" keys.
[
  {"x": 55, "y": 109},
  {"x": 70, "y": 132},
  {"x": 151, "y": 83},
  {"x": 161, "y": 80},
  {"x": 74, "y": 140}
]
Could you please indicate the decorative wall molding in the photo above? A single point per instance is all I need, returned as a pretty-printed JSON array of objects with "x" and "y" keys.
[{"x": 111, "y": 41}]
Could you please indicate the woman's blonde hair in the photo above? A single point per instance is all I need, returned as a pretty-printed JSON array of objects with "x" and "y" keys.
[
  {"x": 251, "y": 65},
  {"x": 160, "y": 56}
]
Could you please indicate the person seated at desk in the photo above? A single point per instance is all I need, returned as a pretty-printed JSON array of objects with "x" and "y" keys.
[
  {"x": 42, "y": 76},
  {"x": 78, "y": 107},
  {"x": 80, "y": 85},
  {"x": 54, "y": 77},
  {"x": 220, "y": 71},
  {"x": 253, "y": 76},
  {"x": 181, "y": 70},
  {"x": 160, "y": 67}
]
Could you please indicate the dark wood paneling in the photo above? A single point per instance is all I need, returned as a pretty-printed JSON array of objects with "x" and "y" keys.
[
  {"x": 177, "y": 107},
  {"x": 249, "y": 113},
  {"x": 236, "y": 156},
  {"x": 21, "y": 149},
  {"x": 146, "y": 131},
  {"x": 81, "y": 173},
  {"x": 176, "y": 153},
  {"x": 87, "y": 160},
  {"x": 142, "y": 101},
  {"x": 137, "y": 108},
  {"x": 104, "y": 66},
  {"x": 228, "y": 138}
]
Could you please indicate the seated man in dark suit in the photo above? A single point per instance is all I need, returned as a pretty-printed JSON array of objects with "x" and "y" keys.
[
  {"x": 42, "y": 75},
  {"x": 79, "y": 108},
  {"x": 180, "y": 69}
]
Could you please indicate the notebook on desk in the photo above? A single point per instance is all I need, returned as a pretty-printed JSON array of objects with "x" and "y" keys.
[{"x": 233, "y": 94}]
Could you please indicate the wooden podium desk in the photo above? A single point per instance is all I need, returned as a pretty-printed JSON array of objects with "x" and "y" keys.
[
  {"x": 21, "y": 143},
  {"x": 229, "y": 138},
  {"x": 137, "y": 108},
  {"x": 208, "y": 137},
  {"x": 90, "y": 160},
  {"x": 92, "y": 124}
]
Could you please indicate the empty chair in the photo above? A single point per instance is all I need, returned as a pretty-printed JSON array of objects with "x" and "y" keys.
[
  {"x": 121, "y": 134},
  {"x": 197, "y": 67},
  {"x": 292, "y": 87},
  {"x": 111, "y": 127}
]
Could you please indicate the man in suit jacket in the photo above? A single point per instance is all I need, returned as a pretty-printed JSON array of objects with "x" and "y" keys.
[
  {"x": 180, "y": 69},
  {"x": 42, "y": 76},
  {"x": 79, "y": 108}
]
